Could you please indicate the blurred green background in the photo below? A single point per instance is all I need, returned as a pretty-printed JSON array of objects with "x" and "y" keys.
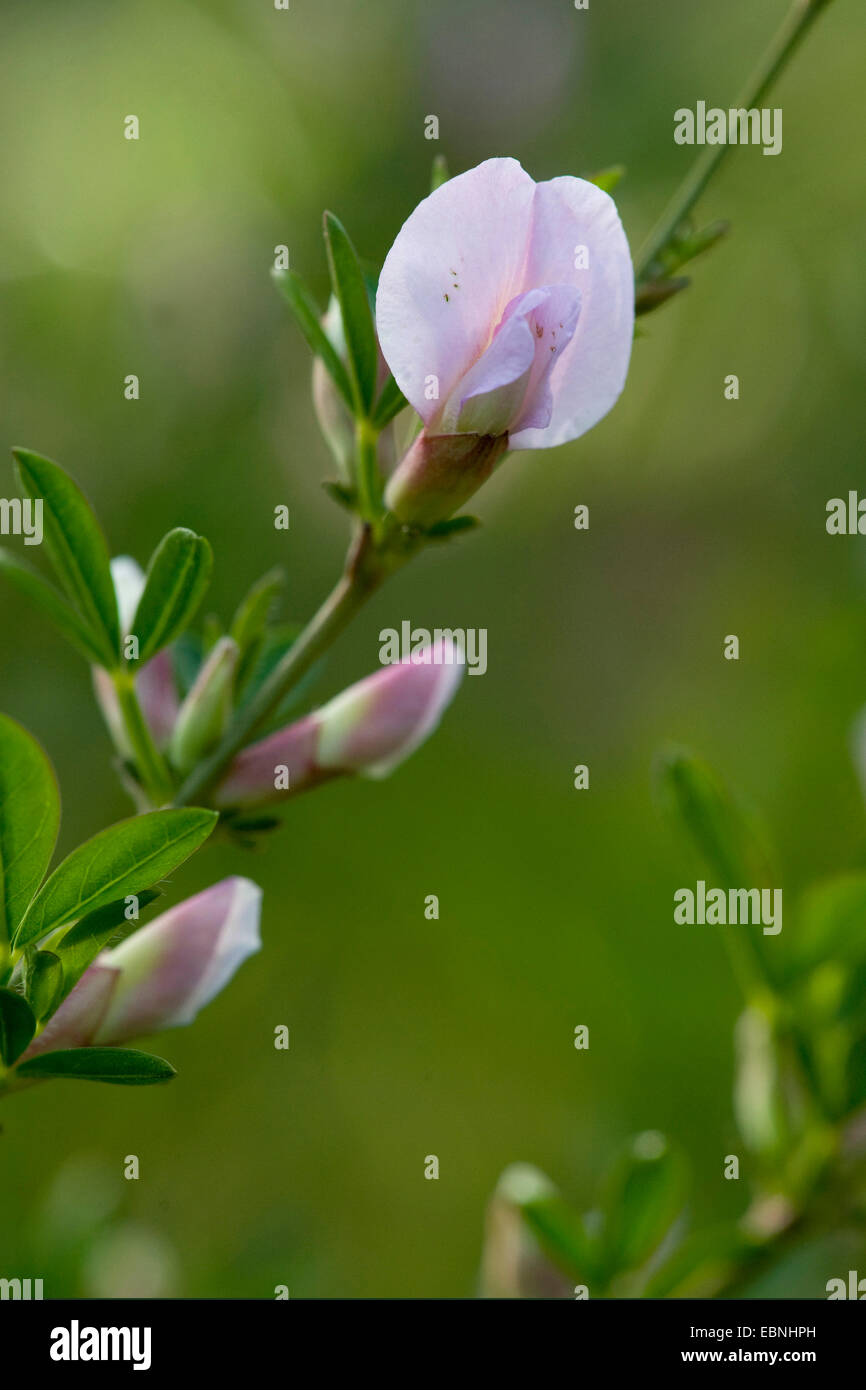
[{"x": 454, "y": 1037}]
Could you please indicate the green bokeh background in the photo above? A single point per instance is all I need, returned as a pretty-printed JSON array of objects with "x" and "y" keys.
[{"x": 454, "y": 1037}]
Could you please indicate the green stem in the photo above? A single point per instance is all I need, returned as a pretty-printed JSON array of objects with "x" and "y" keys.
[
  {"x": 368, "y": 476},
  {"x": 796, "y": 24},
  {"x": 149, "y": 762},
  {"x": 366, "y": 567}
]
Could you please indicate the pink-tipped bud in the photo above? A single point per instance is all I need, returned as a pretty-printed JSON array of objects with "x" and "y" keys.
[
  {"x": 369, "y": 729},
  {"x": 162, "y": 975}
]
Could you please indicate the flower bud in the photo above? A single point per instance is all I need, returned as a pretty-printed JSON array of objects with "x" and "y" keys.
[
  {"x": 441, "y": 472},
  {"x": 332, "y": 413},
  {"x": 162, "y": 975},
  {"x": 205, "y": 711},
  {"x": 368, "y": 729},
  {"x": 154, "y": 682},
  {"x": 513, "y": 1265}
]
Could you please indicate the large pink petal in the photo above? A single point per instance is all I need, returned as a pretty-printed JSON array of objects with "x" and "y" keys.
[
  {"x": 590, "y": 373},
  {"x": 456, "y": 263}
]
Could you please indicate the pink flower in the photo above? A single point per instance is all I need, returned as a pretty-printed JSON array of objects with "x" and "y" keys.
[
  {"x": 369, "y": 728},
  {"x": 163, "y": 974},
  {"x": 505, "y": 311}
]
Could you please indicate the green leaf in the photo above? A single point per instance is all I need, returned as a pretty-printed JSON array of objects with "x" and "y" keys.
[
  {"x": 607, "y": 179},
  {"x": 557, "y": 1228},
  {"x": 703, "y": 1264},
  {"x": 342, "y": 494},
  {"x": 650, "y": 294},
  {"x": 75, "y": 545},
  {"x": 119, "y": 1066},
  {"x": 391, "y": 401},
  {"x": 439, "y": 173},
  {"x": 347, "y": 280},
  {"x": 177, "y": 577},
  {"x": 44, "y": 983},
  {"x": 278, "y": 641},
  {"x": 307, "y": 317},
  {"x": 205, "y": 713},
  {"x": 119, "y": 861},
  {"x": 91, "y": 645},
  {"x": 727, "y": 838},
  {"x": 17, "y": 1025},
  {"x": 831, "y": 922},
  {"x": 250, "y": 621},
  {"x": 253, "y": 824},
  {"x": 29, "y": 818},
  {"x": 453, "y": 526},
  {"x": 684, "y": 249},
  {"x": 643, "y": 1197},
  {"x": 108, "y": 926}
]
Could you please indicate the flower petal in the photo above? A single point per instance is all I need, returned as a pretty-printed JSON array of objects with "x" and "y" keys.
[
  {"x": 456, "y": 263},
  {"x": 129, "y": 579},
  {"x": 590, "y": 373},
  {"x": 552, "y": 314},
  {"x": 491, "y": 393},
  {"x": 157, "y": 695}
]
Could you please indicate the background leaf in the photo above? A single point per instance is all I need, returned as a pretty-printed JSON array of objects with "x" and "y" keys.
[
  {"x": 727, "y": 838},
  {"x": 29, "y": 818},
  {"x": 92, "y": 646},
  {"x": 250, "y": 621},
  {"x": 177, "y": 578},
  {"x": 44, "y": 983},
  {"x": 74, "y": 542},
  {"x": 390, "y": 403},
  {"x": 121, "y": 860},
  {"x": 306, "y": 315},
  {"x": 350, "y": 289},
  {"x": 17, "y": 1025},
  {"x": 556, "y": 1227},
  {"x": 119, "y": 1066},
  {"x": 643, "y": 1196},
  {"x": 831, "y": 922}
]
